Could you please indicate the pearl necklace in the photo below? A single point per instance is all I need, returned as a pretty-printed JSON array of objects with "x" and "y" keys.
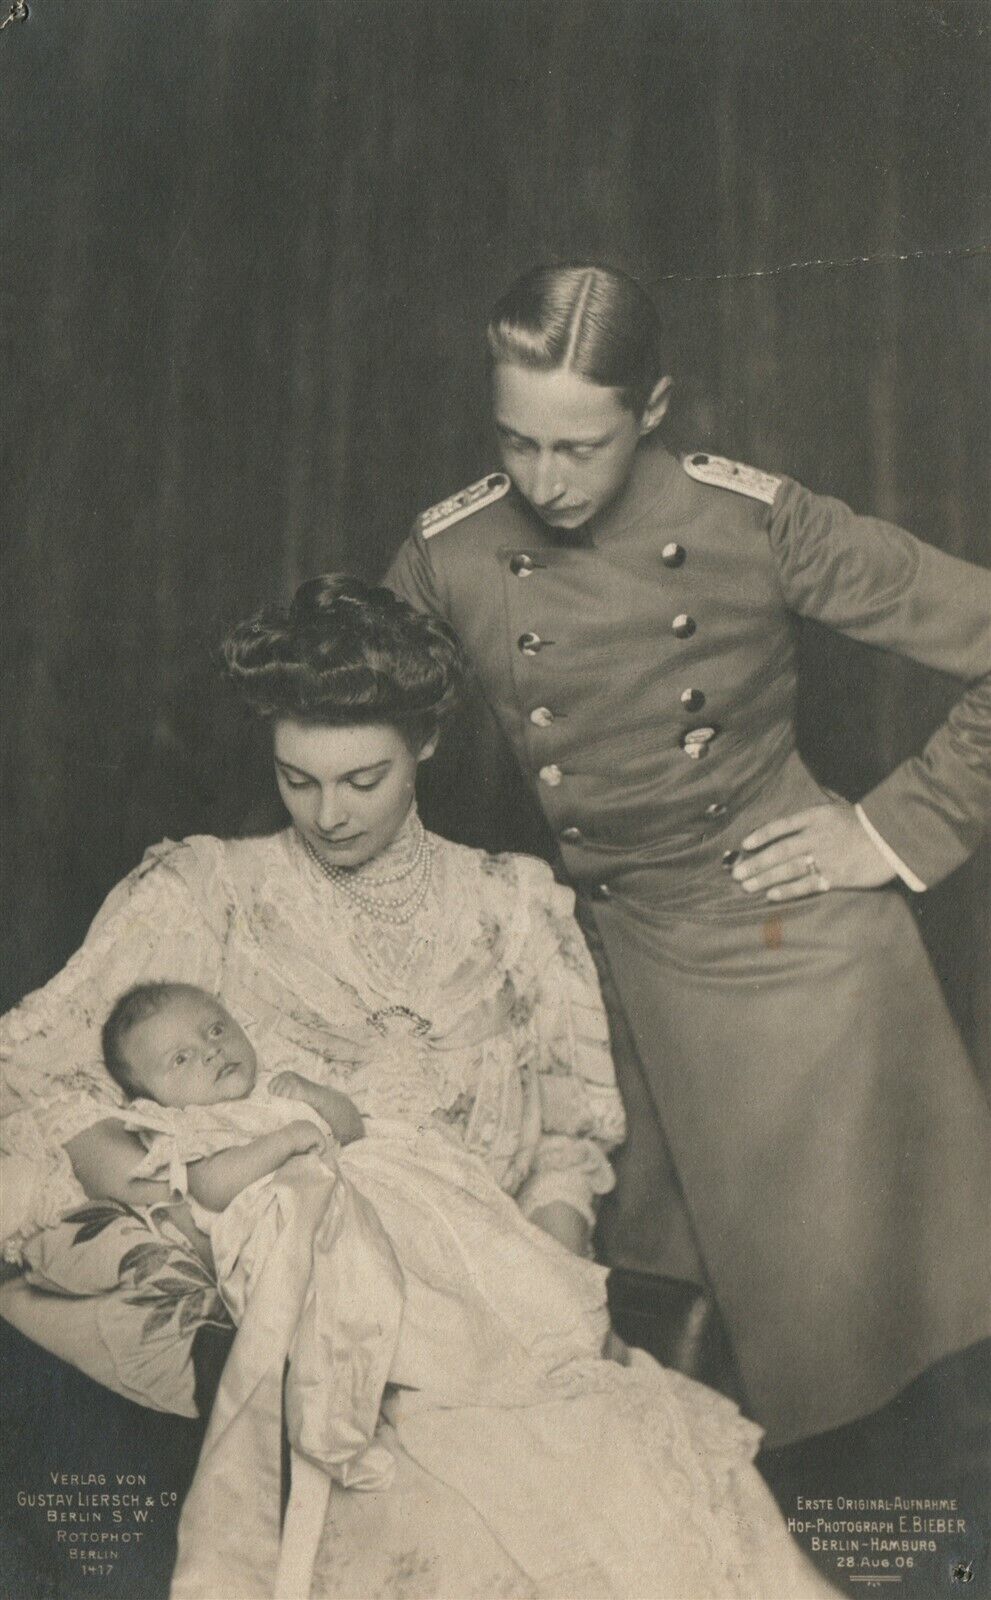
[
  {"x": 371, "y": 880},
  {"x": 398, "y": 912}
]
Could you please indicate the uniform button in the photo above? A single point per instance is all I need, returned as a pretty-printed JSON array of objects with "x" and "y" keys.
[
  {"x": 692, "y": 699},
  {"x": 716, "y": 809},
  {"x": 522, "y": 566},
  {"x": 696, "y": 741},
  {"x": 551, "y": 775},
  {"x": 530, "y": 643},
  {"x": 673, "y": 555},
  {"x": 541, "y": 716},
  {"x": 600, "y": 891},
  {"x": 571, "y": 835},
  {"x": 683, "y": 626}
]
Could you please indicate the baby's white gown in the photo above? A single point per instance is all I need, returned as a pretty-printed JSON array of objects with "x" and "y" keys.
[{"x": 515, "y": 1462}]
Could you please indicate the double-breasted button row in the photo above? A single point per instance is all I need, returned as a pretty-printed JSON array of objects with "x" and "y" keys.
[
  {"x": 694, "y": 741},
  {"x": 574, "y": 835},
  {"x": 522, "y": 564}
]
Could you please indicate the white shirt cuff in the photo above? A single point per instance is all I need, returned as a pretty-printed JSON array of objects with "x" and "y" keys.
[{"x": 895, "y": 862}]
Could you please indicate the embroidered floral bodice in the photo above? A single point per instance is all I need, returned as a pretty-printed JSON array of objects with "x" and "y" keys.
[{"x": 481, "y": 1017}]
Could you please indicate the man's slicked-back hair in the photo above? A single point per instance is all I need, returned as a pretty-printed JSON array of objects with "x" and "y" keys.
[{"x": 586, "y": 318}]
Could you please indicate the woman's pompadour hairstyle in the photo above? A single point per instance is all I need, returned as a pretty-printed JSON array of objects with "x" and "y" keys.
[{"x": 346, "y": 652}]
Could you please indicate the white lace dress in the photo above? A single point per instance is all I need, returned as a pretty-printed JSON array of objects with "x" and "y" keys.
[
  {"x": 478, "y": 1030},
  {"x": 483, "y": 1016}
]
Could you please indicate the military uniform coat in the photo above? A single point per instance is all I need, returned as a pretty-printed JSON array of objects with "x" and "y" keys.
[{"x": 808, "y": 1134}]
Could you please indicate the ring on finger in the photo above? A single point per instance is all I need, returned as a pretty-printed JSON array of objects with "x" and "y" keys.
[{"x": 814, "y": 871}]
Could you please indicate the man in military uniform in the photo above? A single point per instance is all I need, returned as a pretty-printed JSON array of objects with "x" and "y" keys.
[{"x": 809, "y": 1142}]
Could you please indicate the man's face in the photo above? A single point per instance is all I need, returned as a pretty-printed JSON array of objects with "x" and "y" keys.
[
  {"x": 190, "y": 1052},
  {"x": 567, "y": 444}
]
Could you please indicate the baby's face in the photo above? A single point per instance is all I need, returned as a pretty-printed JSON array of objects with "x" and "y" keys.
[{"x": 190, "y": 1052}]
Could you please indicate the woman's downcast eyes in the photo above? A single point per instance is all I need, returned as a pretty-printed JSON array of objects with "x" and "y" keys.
[{"x": 299, "y": 780}]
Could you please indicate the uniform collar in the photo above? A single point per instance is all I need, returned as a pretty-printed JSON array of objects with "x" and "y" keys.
[{"x": 657, "y": 488}]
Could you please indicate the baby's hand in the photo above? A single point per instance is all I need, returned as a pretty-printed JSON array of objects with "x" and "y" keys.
[
  {"x": 303, "y": 1137},
  {"x": 337, "y": 1109},
  {"x": 341, "y": 1115},
  {"x": 290, "y": 1086}
]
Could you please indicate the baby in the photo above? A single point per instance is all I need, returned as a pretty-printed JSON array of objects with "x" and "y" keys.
[
  {"x": 485, "y": 1290},
  {"x": 176, "y": 1046}
]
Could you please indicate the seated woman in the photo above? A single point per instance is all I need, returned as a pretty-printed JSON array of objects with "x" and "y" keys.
[{"x": 450, "y": 994}]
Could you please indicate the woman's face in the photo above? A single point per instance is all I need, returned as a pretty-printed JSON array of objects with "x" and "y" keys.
[
  {"x": 567, "y": 444},
  {"x": 348, "y": 790}
]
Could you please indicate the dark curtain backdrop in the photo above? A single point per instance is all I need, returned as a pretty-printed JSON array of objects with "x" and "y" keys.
[{"x": 248, "y": 247}]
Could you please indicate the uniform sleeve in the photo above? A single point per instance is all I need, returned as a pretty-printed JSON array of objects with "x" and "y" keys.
[
  {"x": 581, "y": 1111},
  {"x": 162, "y": 922},
  {"x": 411, "y": 576},
  {"x": 880, "y": 585}
]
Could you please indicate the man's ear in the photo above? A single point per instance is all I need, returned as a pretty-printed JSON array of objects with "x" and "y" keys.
[{"x": 656, "y": 408}]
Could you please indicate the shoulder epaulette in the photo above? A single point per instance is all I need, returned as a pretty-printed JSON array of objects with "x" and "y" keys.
[
  {"x": 723, "y": 474},
  {"x": 483, "y": 493}
]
